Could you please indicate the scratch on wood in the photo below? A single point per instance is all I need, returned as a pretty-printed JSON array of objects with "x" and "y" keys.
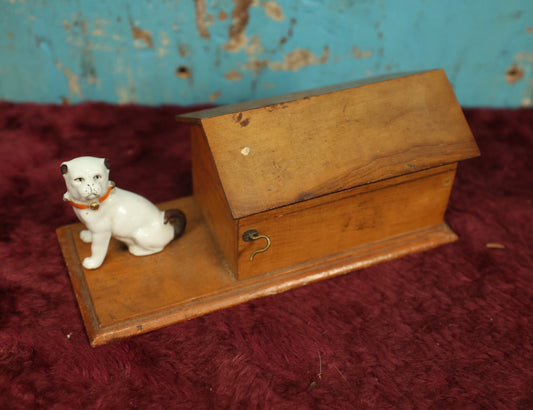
[{"x": 237, "y": 117}]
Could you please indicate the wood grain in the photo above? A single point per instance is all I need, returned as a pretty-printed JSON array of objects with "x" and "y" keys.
[
  {"x": 308, "y": 145},
  {"x": 345, "y": 220},
  {"x": 132, "y": 295},
  {"x": 211, "y": 199}
]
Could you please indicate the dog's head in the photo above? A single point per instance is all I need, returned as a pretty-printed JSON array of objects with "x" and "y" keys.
[{"x": 87, "y": 178}]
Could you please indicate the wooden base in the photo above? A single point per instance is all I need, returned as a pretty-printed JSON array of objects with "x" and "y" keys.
[{"x": 130, "y": 295}]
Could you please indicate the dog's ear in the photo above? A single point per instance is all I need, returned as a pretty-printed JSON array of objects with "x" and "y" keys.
[
  {"x": 107, "y": 163},
  {"x": 64, "y": 169}
]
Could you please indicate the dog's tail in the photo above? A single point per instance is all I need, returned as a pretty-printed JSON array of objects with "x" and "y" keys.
[{"x": 177, "y": 219}]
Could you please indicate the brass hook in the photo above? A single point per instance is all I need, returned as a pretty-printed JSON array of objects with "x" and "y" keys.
[{"x": 252, "y": 235}]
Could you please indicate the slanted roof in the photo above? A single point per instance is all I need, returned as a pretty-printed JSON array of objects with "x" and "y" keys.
[{"x": 274, "y": 152}]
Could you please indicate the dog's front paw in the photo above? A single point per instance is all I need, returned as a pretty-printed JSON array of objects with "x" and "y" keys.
[
  {"x": 91, "y": 263},
  {"x": 86, "y": 236}
]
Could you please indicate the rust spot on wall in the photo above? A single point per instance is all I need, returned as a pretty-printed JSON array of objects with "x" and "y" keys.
[
  {"x": 290, "y": 32},
  {"x": 99, "y": 25},
  {"x": 142, "y": 35},
  {"x": 183, "y": 49},
  {"x": 273, "y": 10},
  {"x": 300, "y": 58},
  {"x": 233, "y": 75},
  {"x": 183, "y": 72},
  {"x": 357, "y": 53},
  {"x": 73, "y": 80},
  {"x": 524, "y": 57},
  {"x": 164, "y": 39},
  {"x": 527, "y": 100},
  {"x": 529, "y": 30},
  {"x": 215, "y": 96},
  {"x": 240, "y": 16},
  {"x": 77, "y": 23},
  {"x": 11, "y": 37},
  {"x": 201, "y": 23},
  {"x": 255, "y": 65},
  {"x": 222, "y": 15},
  {"x": 514, "y": 74},
  {"x": 254, "y": 47},
  {"x": 291, "y": 27}
]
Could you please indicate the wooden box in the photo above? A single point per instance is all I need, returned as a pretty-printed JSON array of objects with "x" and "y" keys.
[
  {"x": 334, "y": 179},
  {"x": 329, "y": 170}
]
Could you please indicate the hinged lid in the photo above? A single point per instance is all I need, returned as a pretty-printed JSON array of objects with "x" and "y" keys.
[{"x": 274, "y": 152}]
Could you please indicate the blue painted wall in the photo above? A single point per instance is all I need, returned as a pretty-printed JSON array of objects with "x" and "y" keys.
[{"x": 222, "y": 51}]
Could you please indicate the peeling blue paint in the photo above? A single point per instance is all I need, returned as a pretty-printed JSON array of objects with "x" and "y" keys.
[{"x": 231, "y": 51}]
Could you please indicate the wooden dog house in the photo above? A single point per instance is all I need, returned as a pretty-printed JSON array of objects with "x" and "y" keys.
[
  {"x": 328, "y": 170},
  {"x": 287, "y": 191}
]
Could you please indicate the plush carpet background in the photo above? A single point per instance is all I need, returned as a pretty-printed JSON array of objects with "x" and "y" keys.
[{"x": 448, "y": 328}]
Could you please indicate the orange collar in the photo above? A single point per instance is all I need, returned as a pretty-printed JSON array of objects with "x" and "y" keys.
[{"x": 93, "y": 205}]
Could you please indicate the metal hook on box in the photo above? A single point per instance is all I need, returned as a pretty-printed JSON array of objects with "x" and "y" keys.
[{"x": 253, "y": 235}]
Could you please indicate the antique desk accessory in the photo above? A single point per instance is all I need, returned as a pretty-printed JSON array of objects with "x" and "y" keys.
[{"x": 287, "y": 191}]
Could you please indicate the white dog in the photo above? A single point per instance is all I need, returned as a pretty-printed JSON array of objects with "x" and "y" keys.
[{"x": 108, "y": 212}]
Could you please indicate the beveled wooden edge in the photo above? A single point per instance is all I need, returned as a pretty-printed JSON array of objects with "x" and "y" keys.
[
  {"x": 77, "y": 278},
  {"x": 196, "y": 117},
  {"x": 246, "y": 290}
]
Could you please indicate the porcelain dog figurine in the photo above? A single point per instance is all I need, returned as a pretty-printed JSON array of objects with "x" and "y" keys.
[{"x": 108, "y": 211}]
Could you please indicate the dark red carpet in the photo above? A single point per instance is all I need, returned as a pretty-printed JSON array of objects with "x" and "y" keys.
[{"x": 449, "y": 328}]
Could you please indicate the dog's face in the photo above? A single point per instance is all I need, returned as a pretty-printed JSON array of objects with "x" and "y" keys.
[{"x": 87, "y": 178}]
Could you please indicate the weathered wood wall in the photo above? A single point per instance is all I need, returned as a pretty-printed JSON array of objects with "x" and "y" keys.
[{"x": 222, "y": 51}]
